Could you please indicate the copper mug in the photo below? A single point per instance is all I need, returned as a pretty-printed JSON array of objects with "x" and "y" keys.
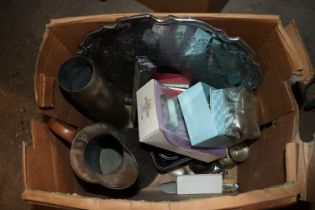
[
  {"x": 97, "y": 154},
  {"x": 86, "y": 87}
]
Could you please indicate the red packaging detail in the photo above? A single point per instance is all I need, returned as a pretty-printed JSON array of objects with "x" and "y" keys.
[{"x": 173, "y": 80}]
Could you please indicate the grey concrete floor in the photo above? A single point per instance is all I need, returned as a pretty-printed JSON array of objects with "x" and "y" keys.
[{"x": 22, "y": 25}]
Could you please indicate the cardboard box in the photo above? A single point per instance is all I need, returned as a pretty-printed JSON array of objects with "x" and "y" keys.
[
  {"x": 152, "y": 131},
  {"x": 48, "y": 178}
]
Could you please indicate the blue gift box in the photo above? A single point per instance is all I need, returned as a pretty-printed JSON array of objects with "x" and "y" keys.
[
  {"x": 218, "y": 117},
  {"x": 194, "y": 104}
]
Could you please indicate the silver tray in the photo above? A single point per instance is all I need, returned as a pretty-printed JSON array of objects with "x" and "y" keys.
[{"x": 181, "y": 45}]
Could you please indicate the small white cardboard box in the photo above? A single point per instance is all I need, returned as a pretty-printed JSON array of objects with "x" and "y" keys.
[
  {"x": 199, "y": 184},
  {"x": 150, "y": 131}
]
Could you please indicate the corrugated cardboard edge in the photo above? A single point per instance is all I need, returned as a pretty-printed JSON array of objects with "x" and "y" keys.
[
  {"x": 297, "y": 53},
  {"x": 267, "y": 198},
  {"x": 291, "y": 160},
  {"x": 306, "y": 73},
  {"x": 294, "y": 60},
  {"x": 23, "y": 160},
  {"x": 298, "y": 162},
  {"x": 36, "y": 78},
  {"x": 299, "y": 154},
  {"x": 45, "y": 95},
  {"x": 113, "y": 17},
  {"x": 310, "y": 182}
]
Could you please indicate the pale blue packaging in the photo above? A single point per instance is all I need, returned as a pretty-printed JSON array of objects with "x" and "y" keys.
[
  {"x": 219, "y": 117},
  {"x": 194, "y": 104}
]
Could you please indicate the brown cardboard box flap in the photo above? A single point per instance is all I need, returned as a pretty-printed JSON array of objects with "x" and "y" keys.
[
  {"x": 301, "y": 168},
  {"x": 48, "y": 96},
  {"x": 45, "y": 94},
  {"x": 304, "y": 74},
  {"x": 310, "y": 182},
  {"x": 110, "y": 18},
  {"x": 259, "y": 199},
  {"x": 306, "y": 168}
]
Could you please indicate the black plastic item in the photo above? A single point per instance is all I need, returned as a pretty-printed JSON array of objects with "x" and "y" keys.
[
  {"x": 147, "y": 171},
  {"x": 144, "y": 69},
  {"x": 308, "y": 96},
  {"x": 166, "y": 161},
  {"x": 187, "y": 45},
  {"x": 199, "y": 167}
]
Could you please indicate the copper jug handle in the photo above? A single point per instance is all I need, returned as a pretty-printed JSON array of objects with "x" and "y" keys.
[{"x": 62, "y": 129}]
